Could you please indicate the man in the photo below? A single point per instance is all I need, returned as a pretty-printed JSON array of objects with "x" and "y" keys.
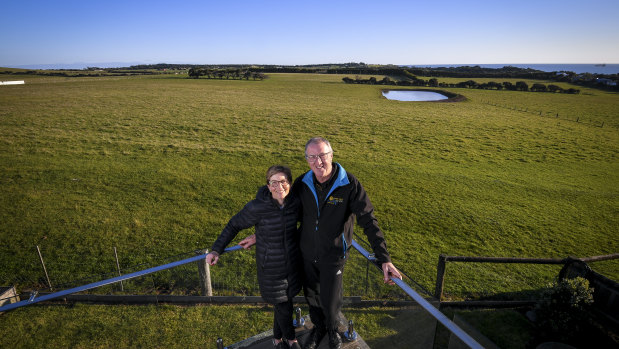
[{"x": 331, "y": 197}]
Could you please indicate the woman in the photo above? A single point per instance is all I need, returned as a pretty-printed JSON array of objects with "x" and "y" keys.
[{"x": 274, "y": 214}]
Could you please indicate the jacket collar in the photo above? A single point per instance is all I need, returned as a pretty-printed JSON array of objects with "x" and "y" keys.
[{"x": 341, "y": 180}]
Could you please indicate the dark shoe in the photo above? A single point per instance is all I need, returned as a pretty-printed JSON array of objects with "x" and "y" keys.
[
  {"x": 335, "y": 342},
  {"x": 314, "y": 338},
  {"x": 294, "y": 345}
]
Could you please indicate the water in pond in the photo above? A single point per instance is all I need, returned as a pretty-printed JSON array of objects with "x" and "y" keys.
[{"x": 414, "y": 96}]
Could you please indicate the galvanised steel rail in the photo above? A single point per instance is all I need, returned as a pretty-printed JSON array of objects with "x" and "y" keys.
[
  {"x": 34, "y": 299},
  {"x": 455, "y": 329},
  {"x": 463, "y": 336}
]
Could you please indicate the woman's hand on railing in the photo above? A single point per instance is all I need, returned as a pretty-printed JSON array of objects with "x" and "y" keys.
[
  {"x": 212, "y": 258},
  {"x": 248, "y": 242}
]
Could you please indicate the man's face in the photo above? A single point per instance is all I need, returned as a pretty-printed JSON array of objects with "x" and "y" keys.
[{"x": 319, "y": 157}]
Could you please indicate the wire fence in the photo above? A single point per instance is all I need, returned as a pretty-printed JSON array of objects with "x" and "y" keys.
[
  {"x": 581, "y": 119},
  {"x": 233, "y": 275}
]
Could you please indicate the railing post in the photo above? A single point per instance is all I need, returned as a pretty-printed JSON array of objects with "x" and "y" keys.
[
  {"x": 204, "y": 270},
  {"x": 440, "y": 276},
  {"x": 367, "y": 276},
  {"x": 298, "y": 321},
  {"x": 44, "y": 269},
  {"x": 122, "y": 288}
]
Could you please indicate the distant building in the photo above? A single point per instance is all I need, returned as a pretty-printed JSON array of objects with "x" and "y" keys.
[
  {"x": 607, "y": 82},
  {"x": 20, "y": 82}
]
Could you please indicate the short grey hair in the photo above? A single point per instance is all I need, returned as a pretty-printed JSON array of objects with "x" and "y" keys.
[{"x": 317, "y": 140}]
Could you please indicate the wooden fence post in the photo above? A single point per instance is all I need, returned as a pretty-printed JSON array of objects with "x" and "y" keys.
[
  {"x": 204, "y": 270},
  {"x": 440, "y": 276}
]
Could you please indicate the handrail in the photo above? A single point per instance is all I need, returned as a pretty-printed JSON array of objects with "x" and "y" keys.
[
  {"x": 455, "y": 329},
  {"x": 466, "y": 338},
  {"x": 33, "y": 299}
]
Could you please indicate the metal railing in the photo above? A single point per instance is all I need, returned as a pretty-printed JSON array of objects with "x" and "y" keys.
[
  {"x": 435, "y": 312},
  {"x": 34, "y": 299}
]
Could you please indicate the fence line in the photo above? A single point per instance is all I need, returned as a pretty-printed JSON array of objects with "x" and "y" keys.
[
  {"x": 33, "y": 299},
  {"x": 541, "y": 113},
  {"x": 443, "y": 259},
  {"x": 435, "y": 312}
]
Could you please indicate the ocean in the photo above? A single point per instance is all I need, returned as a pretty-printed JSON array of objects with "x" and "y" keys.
[{"x": 576, "y": 68}]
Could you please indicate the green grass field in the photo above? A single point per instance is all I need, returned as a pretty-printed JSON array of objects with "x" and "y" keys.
[{"x": 156, "y": 165}]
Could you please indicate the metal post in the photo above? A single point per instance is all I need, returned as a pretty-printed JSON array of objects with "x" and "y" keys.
[
  {"x": 204, "y": 270},
  {"x": 44, "y": 269},
  {"x": 122, "y": 288},
  {"x": 350, "y": 334},
  {"x": 440, "y": 276},
  {"x": 298, "y": 321},
  {"x": 367, "y": 276},
  {"x": 220, "y": 343}
]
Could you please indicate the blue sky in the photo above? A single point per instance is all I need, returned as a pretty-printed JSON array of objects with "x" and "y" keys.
[{"x": 310, "y": 32}]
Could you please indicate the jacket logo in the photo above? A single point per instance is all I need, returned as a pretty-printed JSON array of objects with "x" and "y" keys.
[{"x": 334, "y": 201}]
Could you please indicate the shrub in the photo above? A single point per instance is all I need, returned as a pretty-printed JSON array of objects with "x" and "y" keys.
[{"x": 563, "y": 312}]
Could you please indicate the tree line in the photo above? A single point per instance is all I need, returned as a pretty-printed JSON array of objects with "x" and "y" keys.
[
  {"x": 227, "y": 73},
  {"x": 415, "y": 81}
]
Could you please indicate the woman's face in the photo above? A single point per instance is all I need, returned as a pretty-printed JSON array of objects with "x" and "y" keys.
[{"x": 279, "y": 186}]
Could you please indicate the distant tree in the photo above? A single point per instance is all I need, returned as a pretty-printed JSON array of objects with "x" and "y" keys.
[
  {"x": 494, "y": 85},
  {"x": 347, "y": 80},
  {"x": 537, "y": 87},
  {"x": 509, "y": 86},
  {"x": 433, "y": 82},
  {"x": 467, "y": 84},
  {"x": 522, "y": 86},
  {"x": 258, "y": 76},
  {"x": 554, "y": 88},
  {"x": 193, "y": 73},
  {"x": 373, "y": 80}
]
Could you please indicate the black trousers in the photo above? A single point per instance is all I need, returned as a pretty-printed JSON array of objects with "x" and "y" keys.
[
  {"x": 282, "y": 321},
  {"x": 323, "y": 292}
]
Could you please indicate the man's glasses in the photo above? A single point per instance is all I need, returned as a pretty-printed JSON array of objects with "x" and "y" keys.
[
  {"x": 284, "y": 183},
  {"x": 322, "y": 156}
]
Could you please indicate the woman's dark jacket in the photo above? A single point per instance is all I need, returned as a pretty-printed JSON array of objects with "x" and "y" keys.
[{"x": 278, "y": 258}]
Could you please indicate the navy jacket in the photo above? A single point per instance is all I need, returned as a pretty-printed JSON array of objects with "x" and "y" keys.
[
  {"x": 327, "y": 227},
  {"x": 278, "y": 258}
]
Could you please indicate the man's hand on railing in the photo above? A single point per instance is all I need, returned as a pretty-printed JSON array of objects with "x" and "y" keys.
[
  {"x": 389, "y": 271},
  {"x": 248, "y": 242},
  {"x": 212, "y": 258}
]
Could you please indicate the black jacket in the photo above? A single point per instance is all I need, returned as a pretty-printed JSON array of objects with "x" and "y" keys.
[
  {"x": 327, "y": 227},
  {"x": 278, "y": 258}
]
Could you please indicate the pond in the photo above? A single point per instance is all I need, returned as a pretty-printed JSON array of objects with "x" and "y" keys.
[{"x": 413, "y": 96}]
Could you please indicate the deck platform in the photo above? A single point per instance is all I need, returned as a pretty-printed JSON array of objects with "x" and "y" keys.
[{"x": 263, "y": 340}]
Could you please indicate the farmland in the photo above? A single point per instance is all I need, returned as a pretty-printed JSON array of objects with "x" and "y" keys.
[{"x": 156, "y": 165}]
